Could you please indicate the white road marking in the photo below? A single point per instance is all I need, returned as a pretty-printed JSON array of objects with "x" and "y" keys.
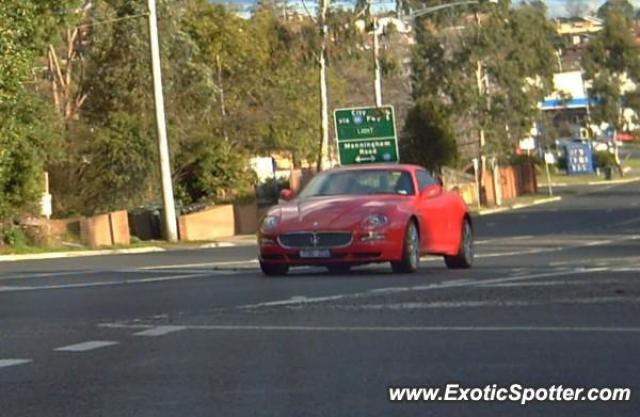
[
  {"x": 86, "y": 346},
  {"x": 557, "y": 283},
  {"x": 87, "y": 272},
  {"x": 160, "y": 331},
  {"x": 598, "y": 243},
  {"x": 48, "y": 274},
  {"x": 461, "y": 281},
  {"x": 485, "y": 303},
  {"x": 502, "y": 239},
  {"x": 522, "y": 237},
  {"x": 430, "y": 287},
  {"x": 112, "y": 282},
  {"x": 395, "y": 329},
  {"x": 559, "y": 248},
  {"x": 4, "y": 363},
  {"x": 82, "y": 253},
  {"x": 516, "y": 253},
  {"x": 201, "y": 265}
]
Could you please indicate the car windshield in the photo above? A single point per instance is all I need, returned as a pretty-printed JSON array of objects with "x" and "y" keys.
[{"x": 360, "y": 182}]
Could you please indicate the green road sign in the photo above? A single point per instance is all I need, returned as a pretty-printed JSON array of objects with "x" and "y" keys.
[{"x": 366, "y": 135}]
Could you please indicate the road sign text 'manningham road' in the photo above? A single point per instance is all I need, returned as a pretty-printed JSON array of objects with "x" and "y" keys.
[{"x": 366, "y": 135}]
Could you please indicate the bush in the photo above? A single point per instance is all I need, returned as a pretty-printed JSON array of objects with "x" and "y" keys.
[
  {"x": 15, "y": 237},
  {"x": 119, "y": 165},
  {"x": 429, "y": 139},
  {"x": 603, "y": 159},
  {"x": 211, "y": 169}
]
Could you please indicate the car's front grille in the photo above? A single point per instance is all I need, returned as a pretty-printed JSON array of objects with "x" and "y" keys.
[{"x": 315, "y": 239}]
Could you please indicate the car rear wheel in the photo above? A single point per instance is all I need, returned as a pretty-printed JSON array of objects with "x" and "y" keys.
[
  {"x": 410, "y": 251},
  {"x": 338, "y": 268},
  {"x": 464, "y": 258},
  {"x": 272, "y": 269}
]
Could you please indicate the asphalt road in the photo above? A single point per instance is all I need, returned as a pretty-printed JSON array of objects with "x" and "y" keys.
[{"x": 554, "y": 299}]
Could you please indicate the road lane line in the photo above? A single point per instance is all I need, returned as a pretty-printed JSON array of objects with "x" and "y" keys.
[
  {"x": 201, "y": 265},
  {"x": 5, "y": 363},
  {"x": 598, "y": 242},
  {"x": 559, "y": 248},
  {"x": 160, "y": 331},
  {"x": 397, "y": 329},
  {"x": 48, "y": 274},
  {"x": 558, "y": 283},
  {"x": 434, "y": 305},
  {"x": 86, "y": 346},
  {"x": 430, "y": 287},
  {"x": 88, "y": 272},
  {"x": 502, "y": 239},
  {"x": 109, "y": 283}
]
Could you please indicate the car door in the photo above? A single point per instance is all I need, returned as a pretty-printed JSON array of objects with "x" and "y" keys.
[{"x": 432, "y": 206}]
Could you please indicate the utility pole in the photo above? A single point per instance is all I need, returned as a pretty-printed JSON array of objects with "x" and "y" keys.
[
  {"x": 163, "y": 146},
  {"x": 376, "y": 61},
  {"x": 377, "y": 78},
  {"x": 323, "y": 160},
  {"x": 223, "y": 109},
  {"x": 480, "y": 79}
]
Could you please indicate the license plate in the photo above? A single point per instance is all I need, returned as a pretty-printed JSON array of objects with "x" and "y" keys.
[{"x": 315, "y": 253}]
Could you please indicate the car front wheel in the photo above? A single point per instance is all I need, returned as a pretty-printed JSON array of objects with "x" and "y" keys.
[
  {"x": 410, "y": 251},
  {"x": 464, "y": 258}
]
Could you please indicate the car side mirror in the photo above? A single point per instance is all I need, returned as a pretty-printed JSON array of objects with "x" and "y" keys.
[
  {"x": 286, "y": 194},
  {"x": 431, "y": 191}
]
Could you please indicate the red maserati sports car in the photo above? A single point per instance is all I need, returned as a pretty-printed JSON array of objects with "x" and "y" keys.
[{"x": 366, "y": 214}]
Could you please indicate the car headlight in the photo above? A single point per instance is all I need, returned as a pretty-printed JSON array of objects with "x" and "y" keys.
[
  {"x": 374, "y": 221},
  {"x": 269, "y": 223}
]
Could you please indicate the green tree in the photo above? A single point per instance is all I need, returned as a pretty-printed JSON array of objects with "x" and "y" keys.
[
  {"x": 26, "y": 128},
  {"x": 428, "y": 137},
  {"x": 621, "y": 7},
  {"x": 116, "y": 160},
  {"x": 491, "y": 76},
  {"x": 609, "y": 61}
]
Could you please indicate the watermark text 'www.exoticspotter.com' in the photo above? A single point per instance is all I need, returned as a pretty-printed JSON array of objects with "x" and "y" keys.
[{"x": 513, "y": 393}]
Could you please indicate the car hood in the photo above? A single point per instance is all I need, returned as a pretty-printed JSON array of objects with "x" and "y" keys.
[{"x": 334, "y": 212}]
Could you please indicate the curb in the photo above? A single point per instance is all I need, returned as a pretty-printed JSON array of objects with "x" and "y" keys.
[
  {"x": 604, "y": 182},
  {"x": 78, "y": 254},
  {"x": 218, "y": 245},
  {"x": 613, "y": 182},
  {"x": 131, "y": 251},
  {"x": 518, "y": 206}
]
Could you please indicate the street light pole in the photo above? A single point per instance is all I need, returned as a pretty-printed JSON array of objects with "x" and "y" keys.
[
  {"x": 324, "y": 157},
  {"x": 163, "y": 146},
  {"x": 376, "y": 59},
  {"x": 377, "y": 77}
]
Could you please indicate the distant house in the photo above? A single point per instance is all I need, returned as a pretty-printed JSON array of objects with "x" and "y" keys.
[
  {"x": 385, "y": 24},
  {"x": 578, "y": 30},
  {"x": 570, "y": 92}
]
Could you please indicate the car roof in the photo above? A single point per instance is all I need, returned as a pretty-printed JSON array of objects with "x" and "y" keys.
[{"x": 381, "y": 166}]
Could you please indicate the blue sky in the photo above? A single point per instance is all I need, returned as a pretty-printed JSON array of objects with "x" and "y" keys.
[{"x": 557, "y": 7}]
